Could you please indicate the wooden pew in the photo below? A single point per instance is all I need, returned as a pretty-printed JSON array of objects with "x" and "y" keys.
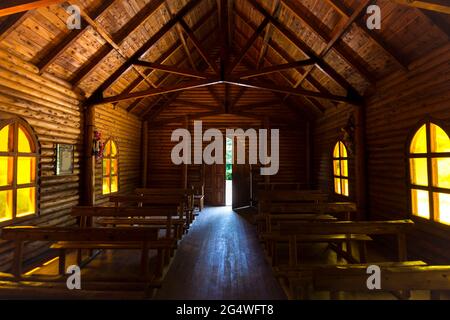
[
  {"x": 395, "y": 277},
  {"x": 142, "y": 239},
  {"x": 284, "y": 199},
  {"x": 338, "y": 232},
  {"x": 186, "y": 196}
]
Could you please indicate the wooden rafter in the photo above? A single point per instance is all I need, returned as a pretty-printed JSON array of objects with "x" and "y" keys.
[
  {"x": 347, "y": 13},
  {"x": 115, "y": 40},
  {"x": 275, "y": 68},
  {"x": 143, "y": 49},
  {"x": 108, "y": 38},
  {"x": 56, "y": 51},
  {"x": 173, "y": 69},
  {"x": 249, "y": 44},
  {"x": 289, "y": 90},
  {"x": 341, "y": 48},
  {"x": 358, "y": 12},
  {"x": 198, "y": 46},
  {"x": 11, "y": 22},
  {"x": 237, "y": 98},
  {"x": 158, "y": 91},
  {"x": 283, "y": 54},
  {"x": 276, "y": 9},
  {"x": 439, "y": 21},
  {"x": 11, "y": 7},
  {"x": 425, "y": 5},
  {"x": 300, "y": 44},
  {"x": 165, "y": 56}
]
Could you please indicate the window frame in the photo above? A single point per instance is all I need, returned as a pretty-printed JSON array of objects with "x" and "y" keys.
[
  {"x": 17, "y": 122},
  {"x": 429, "y": 156},
  {"x": 340, "y": 177},
  {"x": 112, "y": 140}
]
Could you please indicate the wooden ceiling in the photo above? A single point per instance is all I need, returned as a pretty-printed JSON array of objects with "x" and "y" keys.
[{"x": 221, "y": 56}]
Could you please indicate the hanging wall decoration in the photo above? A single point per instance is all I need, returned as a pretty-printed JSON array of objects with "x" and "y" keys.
[
  {"x": 98, "y": 146},
  {"x": 64, "y": 159}
]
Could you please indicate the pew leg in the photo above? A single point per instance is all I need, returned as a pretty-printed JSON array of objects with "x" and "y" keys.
[
  {"x": 293, "y": 259},
  {"x": 144, "y": 260},
  {"x": 62, "y": 262},
  {"x": 362, "y": 252},
  {"x": 159, "y": 263},
  {"x": 18, "y": 253},
  {"x": 435, "y": 295}
]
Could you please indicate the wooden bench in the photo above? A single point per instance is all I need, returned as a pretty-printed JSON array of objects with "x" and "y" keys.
[
  {"x": 142, "y": 239},
  {"x": 343, "y": 231},
  {"x": 185, "y": 196},
  {"x": 283, "y": 199},
  {"x": 395, "y": 277}
]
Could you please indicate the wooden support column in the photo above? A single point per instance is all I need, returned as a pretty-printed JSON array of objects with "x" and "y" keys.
[
  {"x": 144, "y": 153},
  {"x": 185, "y": 166},
  {"x": 308, "y": 154},
  {"x": 88, "y": 190},
  {"x": 360, "y": 162}
]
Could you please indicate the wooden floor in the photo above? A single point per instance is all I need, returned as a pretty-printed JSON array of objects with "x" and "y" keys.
[{"x": 220, "y": 258}]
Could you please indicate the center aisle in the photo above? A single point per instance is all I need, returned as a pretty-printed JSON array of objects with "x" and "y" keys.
[{"x": 220, "y": 258}]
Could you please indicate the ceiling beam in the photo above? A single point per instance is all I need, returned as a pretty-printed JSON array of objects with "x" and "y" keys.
[
  {"x": 276, "y": 9},
  {"x": 439, "y": 21},
  {"x": 347, "y": 13},
  {"x": 173, "y": 69},
  {"x": 289, "y": 90},
  {"x": 249, "y": 44},
  {"x": 158, "y": 91},
  {"x": 300, "y": 44},
  {"x": 114, "y": 41},
  {"x": 11, "y": 7},
  {"x": 341, "y": 48},
  {"x": 425, "y": 5},
  {"x": 143, "y": 49},
  {"x": 199, "y": 46},
  {"x": 10, "y": 23},
  {"x": 165, "y": 56},
  {"x": 55, "y": 51},
  {"x": 275, "y": 68},
  {"x": 192, "y": 116}
]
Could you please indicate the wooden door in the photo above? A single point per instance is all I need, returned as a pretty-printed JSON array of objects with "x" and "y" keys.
[
  {"x": 241, "y": 185},
  {"x": 215, "y": 184}
]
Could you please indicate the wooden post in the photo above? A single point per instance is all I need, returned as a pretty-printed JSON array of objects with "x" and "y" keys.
[
  {"x": 360, "y": 162},
  {"x": 88, "y": 190},
  {"x": 308, "y": 155},
  {"x": 144, "y": 153},
  {"x": 185, "y": 166}
]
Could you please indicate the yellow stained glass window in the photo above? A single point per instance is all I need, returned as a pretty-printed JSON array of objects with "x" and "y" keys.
[
  {"x": 26, "y": 201},
  {"x": 420, "y": 203},
  {"x": 439, "y": 139},
  {"x": 340, "y": 169},
  {"x": 6, "y": 200},
  {"x": 442, "y": 207},
  {"x": 110, "y": 168},
  {"x": 18, "y": 165},
  {"x": 430, "y": 171},
  {"x": 6, "y": 171},
  {"x": 419, "y": 142},
  {"x": 419, "y": 171},
  {"x": 5, "y": 139}
]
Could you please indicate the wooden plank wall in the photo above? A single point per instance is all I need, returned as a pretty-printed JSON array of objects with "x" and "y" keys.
[
  {"x": 401, "y": 102},
  {"x": 55, "y": 114},
  {"x": 163, "y": 173},
  {"x": 326, "y": 133},
  {"x": 125, "y": 129}
]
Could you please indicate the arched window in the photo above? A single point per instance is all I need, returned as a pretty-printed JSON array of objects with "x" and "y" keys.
[
  {"x": 340, "y": 169},
  {"x": 18, "y": 170},
  {"x": 429, "y": 164},
  {"x": 110, "y": 168}
]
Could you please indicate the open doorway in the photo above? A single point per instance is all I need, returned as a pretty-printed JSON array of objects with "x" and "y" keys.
[{"x": 229, "y": 172}]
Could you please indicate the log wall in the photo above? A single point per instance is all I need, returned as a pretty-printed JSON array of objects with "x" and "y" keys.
[
  {"x": 54, "y": 112},
  {"x": 402, "y": 101},
  {"x": 125, "y": 129}
]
